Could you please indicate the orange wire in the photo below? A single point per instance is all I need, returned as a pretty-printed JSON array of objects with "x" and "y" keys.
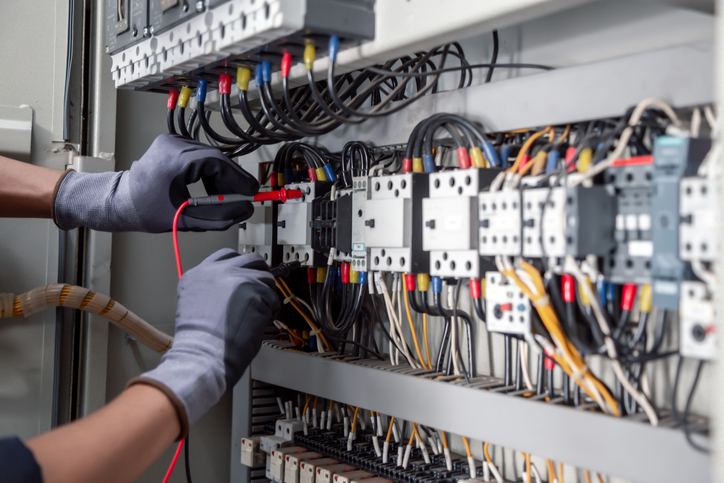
[{"x": 389, "y": 430}]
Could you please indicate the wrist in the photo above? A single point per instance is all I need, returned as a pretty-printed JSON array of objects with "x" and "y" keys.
[{"x": 175, "y": 402}]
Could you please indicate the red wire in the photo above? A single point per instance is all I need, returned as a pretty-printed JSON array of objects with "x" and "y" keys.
[
  {"x": 173, "y": 461},
  {"x": 180, "y": 273},
  {"x": 175, "y": 237}
]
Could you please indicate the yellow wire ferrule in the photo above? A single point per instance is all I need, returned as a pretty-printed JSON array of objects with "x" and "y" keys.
[
  {"x": 417, "y": 166},
  {"x": 183, "y": 97},
  {"x": 321, "y": 175},
  {"x": 645, "y": 300},
  {"x": 281, "y": 180},
  {"x": 321, "y": 274},
  {"x": 309, "y": 54},
  {"x": 423, "y": 282},
  {"x": 353, "y": 276},
  {"x": 584, "y": 159},
  {"x": 243, "y": 75},
  {"x": 476, "y": 157}
]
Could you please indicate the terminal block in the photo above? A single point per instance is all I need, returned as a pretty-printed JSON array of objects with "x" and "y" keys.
[
  {"x": 292, "y": 465},
  {"x": 257, "y": 234},
  {"x": 696, "y": 321},
  {"x": 450, "y": 217},
  {"x": 251, "y": 454},
  {"x": 699, "y": 219},
  {"x": 631, "y": 259},
  {"x": 674, "y": 158},
  {"x": 177, "y": 41},
  {"x": 393, "y": 223},
  {"x": 294, "y": 225},
  {"x": 508, "y": 309},
  {"x": 278, "y": 459},
  {"x": 499, "y": 216}
]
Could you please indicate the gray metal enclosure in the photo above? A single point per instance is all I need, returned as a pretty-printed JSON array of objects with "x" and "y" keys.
[{"x": 59, "y": 365}]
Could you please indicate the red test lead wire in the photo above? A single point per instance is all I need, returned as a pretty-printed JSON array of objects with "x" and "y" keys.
[{"x": 180, "y": 273}]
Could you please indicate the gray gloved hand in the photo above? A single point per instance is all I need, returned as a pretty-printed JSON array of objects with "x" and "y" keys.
[
  {"x": 146, "y": 197},
  {"x": 224, "y": 305}
]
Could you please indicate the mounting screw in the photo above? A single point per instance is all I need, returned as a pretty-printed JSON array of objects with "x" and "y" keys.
[
  {"x": 200, "y": 6},
  {"x": 145, "y": 31},
  {"x": 152, "y": 30},
  {"x": 107, "y": 49},
  {"x": 370, "y": 223},
  {"x": 430, "y": 224},
  {"x": 282, "y": 224},
  {"x": 185, "y": 7},
  {"x": 134, "y": 32},
  {"x": 242, "y": 226}
]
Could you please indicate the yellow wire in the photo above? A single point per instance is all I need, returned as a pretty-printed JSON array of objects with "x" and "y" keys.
[
  {"x": 354, "y": 418},
  {"x": 565, "y": 134},
  {"x": 444, "y": 441},
  {"x": 485, "y": 452},
  {"x": 427, "y": 349},
  {"x": 412, "y": 435},
  {"x": 587, "y": 475},
  {"x": 467, "y": 447},
  {"x": 306, "y": 405},
  {"x": 560, "y": 472},
  {"x": 600, "y": 479},
  {"x": 527, "y": 468},
  {"x": 311, "y": 324},
  {"x": 412, "y": 329},
  {"x": 316, "y": 398},
  {"x": 551, "y": 467},
  {"x": 528, "y": 143},
  {"x": 389, "y": 430}
]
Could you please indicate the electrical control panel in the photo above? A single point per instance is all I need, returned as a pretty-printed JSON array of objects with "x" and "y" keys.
[{"x": 157, "y": 45}]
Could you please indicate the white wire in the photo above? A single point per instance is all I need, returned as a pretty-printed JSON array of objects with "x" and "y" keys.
[
  {"x": 524, "y": 348},
  {"x": 642, "y": 401},
  {"x": 706, "y": 276},
  {"x": 454, "y": 332},
  {"x": 695, "y": 125}
]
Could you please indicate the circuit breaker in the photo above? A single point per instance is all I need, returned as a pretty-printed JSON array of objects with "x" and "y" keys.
[
  {"x": 508, "y": 308},
  {"x": 294, "y": 224}
]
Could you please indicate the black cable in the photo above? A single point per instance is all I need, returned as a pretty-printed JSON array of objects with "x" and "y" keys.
[
  {"x": 683, "y": 418},
  {"x": 187, "y": 459},
  {"x": 376, "y": 70},
  {"x": 181, "y": 116},
  {"x": 170, "y": 121},
  {"x": 494, "y": 59}
]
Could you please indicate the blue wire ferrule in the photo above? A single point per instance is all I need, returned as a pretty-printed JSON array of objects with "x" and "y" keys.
[
  {"x": 610, "y": 291},
  {"x": 428, "y": 161},
  {"x": 289, "y": 175},
  {"x": 333, "y": 48},
  {"x": 436, "y": 285},
  {"x": 338, "y": 279},
  {"x": 490, "y": 154},
  {"x": 201, "y": 91},
  {"x": 266, "y": 71},
  {"x": 258, "y": 76},
  {"x": 601, "y": 286},
  {"x": 363, "y": 278},
  {"x": 553, "y": 157},
  {"x": 329, "y": 171},
  {"x": 332, "y": 275}
]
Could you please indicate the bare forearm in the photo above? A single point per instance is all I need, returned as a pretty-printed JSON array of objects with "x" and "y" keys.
[
  {"x": 26, "y": 190},
  {"x": 115, "y": 444}
]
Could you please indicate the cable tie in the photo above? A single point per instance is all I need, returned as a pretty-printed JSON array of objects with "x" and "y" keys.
[
  {"x": 541, "y": 302},
  {"x": 579, "y": 373}
]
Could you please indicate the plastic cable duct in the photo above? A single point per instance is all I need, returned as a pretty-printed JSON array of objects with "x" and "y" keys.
[{"x": 74, "y": 297}]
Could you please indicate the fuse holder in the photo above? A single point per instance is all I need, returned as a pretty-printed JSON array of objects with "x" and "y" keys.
[
  {"x": 172, "y": 99},
  {"x": 224, "y": 84}
]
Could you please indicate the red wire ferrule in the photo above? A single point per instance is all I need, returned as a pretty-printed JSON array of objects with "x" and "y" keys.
[
  {"x": 570, "y": 152},
  {"x": 410, "y": 282},
  {"x": 345, "y": 273},
  {"x": 273, "y": 181},
  {"x": 172, "y": 100},
  {"x": 224, "y": 84},
  {"x": 406, "y": 165},
  {"x": 286, "y": 64},
  {"x": 311, "y": 276},
  {"x": 463, "y": 158},
  {"x": 628, "y": 295},
  {"x": 549, "y": 362},
  {"x": 567, "y": 288},
  {"x": 312, "y": 174},
  {"x": 476, "y": 291}
]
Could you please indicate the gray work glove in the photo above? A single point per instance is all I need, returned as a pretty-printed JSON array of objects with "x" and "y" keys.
[
  {"x": 146, "y": 197},
  {"x": 224, "y": 305}
]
